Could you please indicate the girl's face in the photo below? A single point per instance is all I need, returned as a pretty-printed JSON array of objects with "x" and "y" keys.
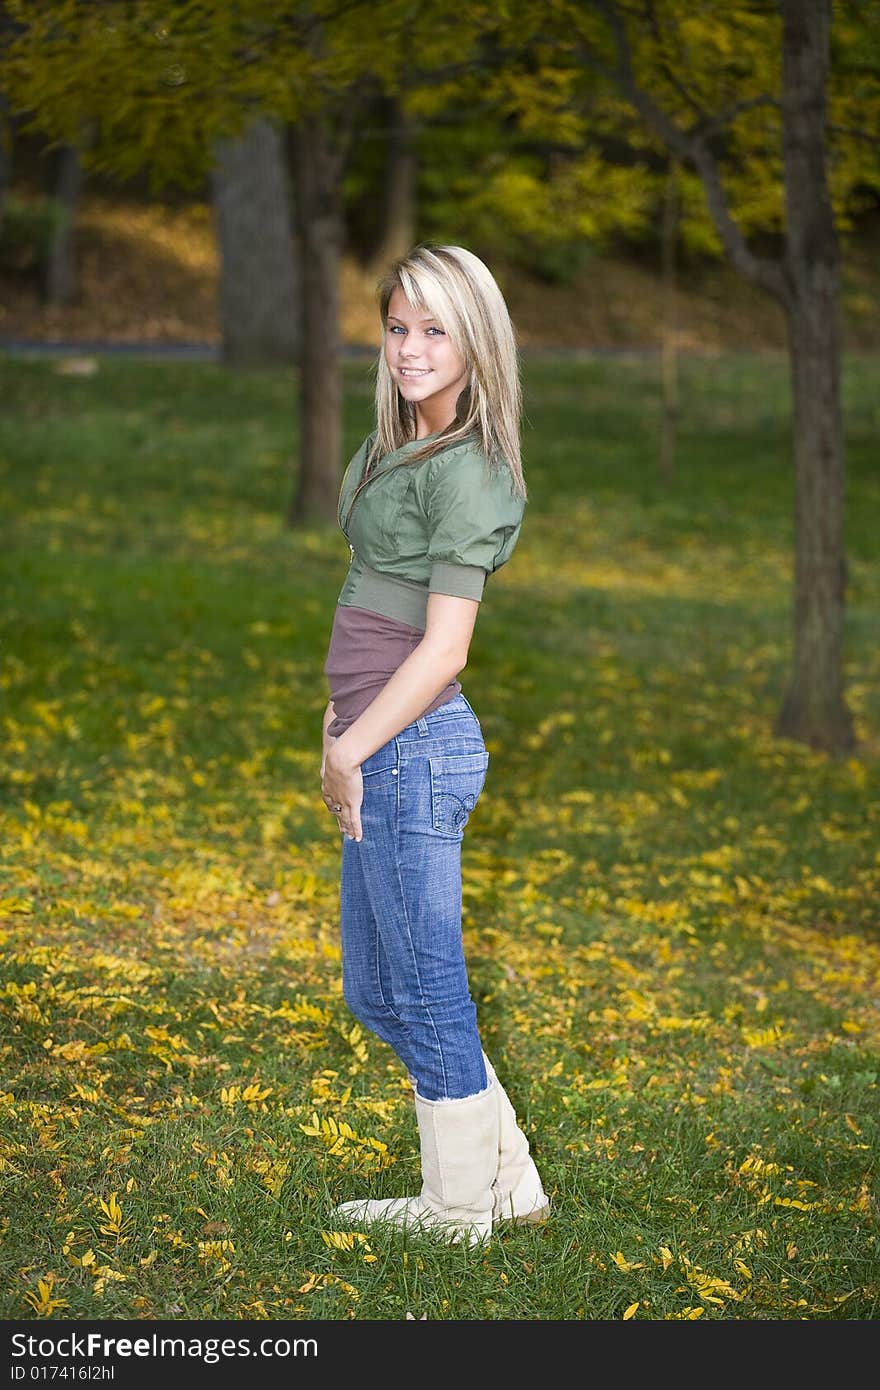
[{"x": 427, "y": 370}]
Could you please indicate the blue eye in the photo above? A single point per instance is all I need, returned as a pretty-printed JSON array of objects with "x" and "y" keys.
[
  {"x": 437, "y": 330},
  {"x": 396, "y": 328}
]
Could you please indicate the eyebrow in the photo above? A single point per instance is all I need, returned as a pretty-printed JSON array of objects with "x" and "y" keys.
[{"x": 429, "y": 319}]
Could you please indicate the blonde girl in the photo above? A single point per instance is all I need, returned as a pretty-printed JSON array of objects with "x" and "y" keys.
[{"x": 432, "y": 505}]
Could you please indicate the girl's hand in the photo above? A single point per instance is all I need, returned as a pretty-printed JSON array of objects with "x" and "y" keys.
[{"x": 343, "y": 786}]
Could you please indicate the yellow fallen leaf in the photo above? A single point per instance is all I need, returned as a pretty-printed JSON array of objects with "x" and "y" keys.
[{"x": 623, "y": 1263}]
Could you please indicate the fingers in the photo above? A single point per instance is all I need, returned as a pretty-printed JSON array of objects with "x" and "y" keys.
[
  {"x": 350, "y": 822},
  {"x": 343, "y": 797},
  {"x": 348, "y": 816}
]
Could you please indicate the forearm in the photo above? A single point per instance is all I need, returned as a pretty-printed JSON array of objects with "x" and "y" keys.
[{"x": 425, "y": 672}]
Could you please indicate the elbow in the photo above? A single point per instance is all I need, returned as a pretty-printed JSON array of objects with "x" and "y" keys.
[
  {"x": 452, "y": 667},
  {"x": 449, "y": 661},
  {"x": 455, "y": 651}
]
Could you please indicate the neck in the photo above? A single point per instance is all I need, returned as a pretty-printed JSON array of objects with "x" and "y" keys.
[
  {"x": 432, "y": 421},
  {"x": 438, "y": 413}
]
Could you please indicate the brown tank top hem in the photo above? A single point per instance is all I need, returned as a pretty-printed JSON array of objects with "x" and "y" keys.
[{"x": 365, "y": 650}]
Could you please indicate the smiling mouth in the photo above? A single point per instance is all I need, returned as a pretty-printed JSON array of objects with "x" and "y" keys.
[{"x": 413, "y": 372}]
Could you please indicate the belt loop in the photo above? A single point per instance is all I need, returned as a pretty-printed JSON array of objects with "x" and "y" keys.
[{"x": 422, "y": 725}]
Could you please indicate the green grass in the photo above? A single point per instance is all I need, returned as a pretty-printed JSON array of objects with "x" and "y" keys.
[{"x": 670, "y": 916}]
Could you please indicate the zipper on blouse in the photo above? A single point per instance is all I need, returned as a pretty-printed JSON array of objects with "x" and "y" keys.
[
  {"x": 344, "y": 520},
  {"x": 365, "y": 482}
]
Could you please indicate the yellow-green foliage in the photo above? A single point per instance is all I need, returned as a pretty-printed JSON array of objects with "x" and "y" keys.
[{"x": 565, "y": 148}]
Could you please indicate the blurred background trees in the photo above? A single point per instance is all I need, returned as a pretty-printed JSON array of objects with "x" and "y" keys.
[{"x": 538, "y": 134}]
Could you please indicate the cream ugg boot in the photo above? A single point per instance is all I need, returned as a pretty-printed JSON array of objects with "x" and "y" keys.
[
  {"x": 459, "y": 1145},
  {"x": 519, "y": 1194}
]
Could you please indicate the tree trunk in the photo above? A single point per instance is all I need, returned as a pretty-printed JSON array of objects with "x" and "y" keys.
[
  {"x": 259, "y": 317},
  {"x": 814, "y": 710},
  {"x": 319, "y": 220},
  {"x": 399, "y": 193},
  {"x": 669, "y": 344},
  {"x": 61, "y": 280},
  {"x": 5, "y": 154}
]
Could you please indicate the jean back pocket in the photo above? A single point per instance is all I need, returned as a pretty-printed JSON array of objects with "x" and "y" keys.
[{"x": 456, "y": 782}]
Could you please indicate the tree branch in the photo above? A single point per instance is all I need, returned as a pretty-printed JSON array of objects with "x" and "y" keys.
[
  {"x": 724, "y": 118},
  {"x": 856, "y": 134},
  {"x": 671, "y": 78},
  {"x": 691, "y": 147}
]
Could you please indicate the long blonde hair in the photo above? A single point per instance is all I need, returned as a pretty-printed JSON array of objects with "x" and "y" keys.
[{"x": 456, "y": 288}]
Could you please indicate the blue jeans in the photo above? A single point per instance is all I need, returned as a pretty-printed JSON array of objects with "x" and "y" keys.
[{"x": 403, "y": 968}]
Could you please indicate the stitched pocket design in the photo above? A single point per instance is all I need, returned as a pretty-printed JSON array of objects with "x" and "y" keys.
[{"x": 456, "y": 782}]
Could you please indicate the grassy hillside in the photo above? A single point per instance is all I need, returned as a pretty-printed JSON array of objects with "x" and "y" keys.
[{"x": 149, "y": 272}]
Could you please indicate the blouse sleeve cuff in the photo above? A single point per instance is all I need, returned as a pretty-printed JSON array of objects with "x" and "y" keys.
[{"x": 461, "y": 581}]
